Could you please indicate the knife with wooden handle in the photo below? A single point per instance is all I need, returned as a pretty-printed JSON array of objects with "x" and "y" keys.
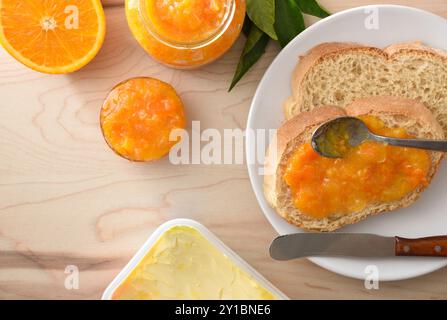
[{"x": 301, "y": 245}]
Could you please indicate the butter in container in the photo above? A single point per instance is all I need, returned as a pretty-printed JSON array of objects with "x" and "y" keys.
[{"x": 184, "y": 260}]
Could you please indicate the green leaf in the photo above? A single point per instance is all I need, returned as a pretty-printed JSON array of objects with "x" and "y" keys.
[
  {"x": 246, "y": 26},
  {"x": 313, "y": 8},
  {"x": 253, "y": 50},
  {"x": 289, "y": 21},
  {"x": 262, "y": 13}
]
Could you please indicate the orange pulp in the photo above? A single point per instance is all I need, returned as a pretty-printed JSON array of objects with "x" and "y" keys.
[{"x": 52, "y": 36}]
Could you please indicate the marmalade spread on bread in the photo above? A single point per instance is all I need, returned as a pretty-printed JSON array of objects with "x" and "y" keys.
[{"x": 369, "y": 173}]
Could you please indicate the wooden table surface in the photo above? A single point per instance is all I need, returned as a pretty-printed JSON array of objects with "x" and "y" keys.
[{"x": 66, "y": 199}]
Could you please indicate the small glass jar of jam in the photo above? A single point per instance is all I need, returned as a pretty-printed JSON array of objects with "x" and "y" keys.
[{"x": 185, "y": 33}]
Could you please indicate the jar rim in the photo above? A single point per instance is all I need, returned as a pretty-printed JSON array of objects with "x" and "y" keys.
[{"x": 225, "y": 23}]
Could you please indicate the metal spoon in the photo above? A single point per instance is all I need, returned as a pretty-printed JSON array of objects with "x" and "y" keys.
[{"x": 334, "y": 138}]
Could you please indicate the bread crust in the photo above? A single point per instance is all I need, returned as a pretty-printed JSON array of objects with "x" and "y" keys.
[
  {"x": 399, "y": 106},
  {"x": 412, "y": 46},
  {"x": 326, "y": 50},
  {"x": 282, "y": 141},
  {"x": 297, "y": 131}
]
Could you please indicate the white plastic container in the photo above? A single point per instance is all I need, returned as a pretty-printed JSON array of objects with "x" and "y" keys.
[{"x": 152, "y": 240}]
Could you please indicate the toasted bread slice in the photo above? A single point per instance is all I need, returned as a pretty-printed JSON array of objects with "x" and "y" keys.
[
  {"x": 395, "y": 112},
  {"x": 339, "y": 73}
]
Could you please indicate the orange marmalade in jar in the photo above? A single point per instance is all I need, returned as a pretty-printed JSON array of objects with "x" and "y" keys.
[{"x": 185, "y": 33}]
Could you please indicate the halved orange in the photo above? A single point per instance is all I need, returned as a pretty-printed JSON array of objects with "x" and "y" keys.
[{"x": 52, "y": 36}]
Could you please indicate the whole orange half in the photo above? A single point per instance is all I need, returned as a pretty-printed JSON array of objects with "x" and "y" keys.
[{"x": 52, "y": 36}]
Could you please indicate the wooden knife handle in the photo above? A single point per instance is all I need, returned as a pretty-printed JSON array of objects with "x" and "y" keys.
[{"x": 426, "y": 247}]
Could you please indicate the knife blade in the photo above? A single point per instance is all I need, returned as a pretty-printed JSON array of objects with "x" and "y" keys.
[{"x": 300, "y": 245}]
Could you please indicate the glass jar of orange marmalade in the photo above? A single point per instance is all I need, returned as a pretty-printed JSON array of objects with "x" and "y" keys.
[{"x": 185, "y": 33}]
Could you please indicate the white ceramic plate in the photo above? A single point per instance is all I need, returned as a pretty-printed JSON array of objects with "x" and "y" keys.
[{"x": 426, "y": 217}]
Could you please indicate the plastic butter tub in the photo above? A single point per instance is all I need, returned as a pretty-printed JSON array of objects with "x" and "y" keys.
[{"x": 183, "y": 260}]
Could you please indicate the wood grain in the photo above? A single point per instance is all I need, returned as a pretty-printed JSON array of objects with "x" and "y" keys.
[
  {"x": 66, "y": 199},
  {"x": 429, "y": 246}
]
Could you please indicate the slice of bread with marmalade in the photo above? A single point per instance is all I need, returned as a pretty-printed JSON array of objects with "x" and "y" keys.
[
  {"x": 339, "y": 73},
  {"x": 400, "y": 116}
]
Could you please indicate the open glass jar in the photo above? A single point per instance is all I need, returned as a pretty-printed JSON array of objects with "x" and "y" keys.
[{"x": 185, "y": 33}]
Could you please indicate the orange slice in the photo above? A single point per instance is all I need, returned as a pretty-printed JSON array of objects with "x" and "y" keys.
[
  {"x": 138, "y": 116},
  {"x": 52, "y": 36}
]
